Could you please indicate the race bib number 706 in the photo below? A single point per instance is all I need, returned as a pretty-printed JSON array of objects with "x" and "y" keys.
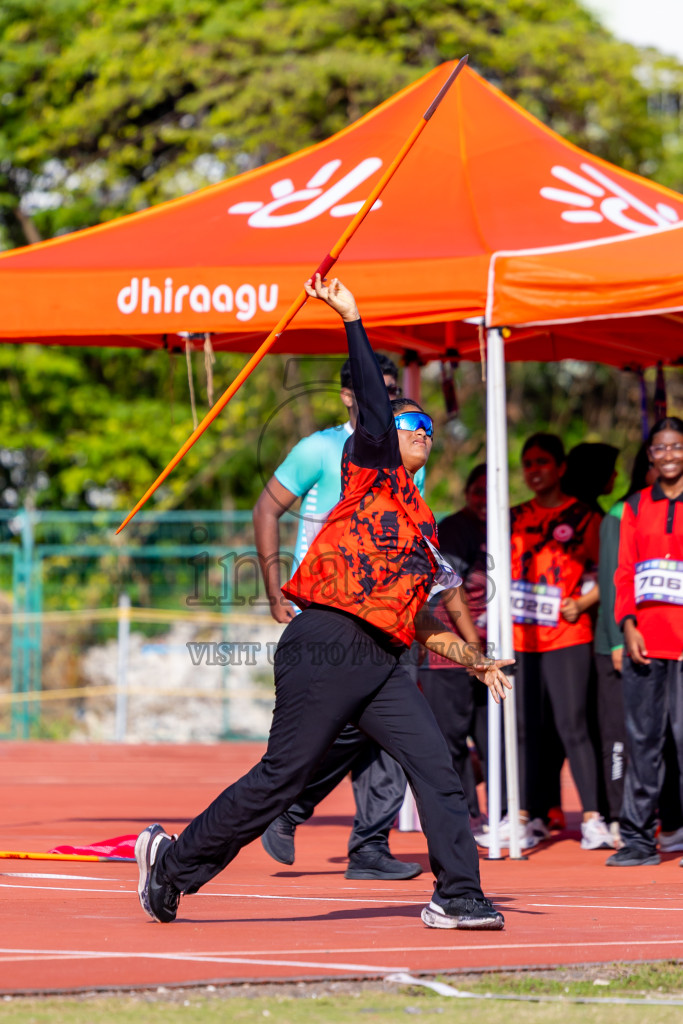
[{"x": 659, "y": 579}]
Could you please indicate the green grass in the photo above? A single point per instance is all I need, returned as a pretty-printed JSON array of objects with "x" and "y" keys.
[
  {"x": 628, "y": 981},
  {"x": 346, "y": 1002}
]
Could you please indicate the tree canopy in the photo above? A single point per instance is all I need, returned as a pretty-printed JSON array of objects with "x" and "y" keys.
[{"x": 108, "y": 107}]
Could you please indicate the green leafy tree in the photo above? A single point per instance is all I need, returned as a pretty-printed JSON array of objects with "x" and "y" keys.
[
  {"x": 107, "y": 107},
  {"x": 92, "y": 428}
]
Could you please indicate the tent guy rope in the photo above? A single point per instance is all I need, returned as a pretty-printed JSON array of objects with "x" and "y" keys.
[{"x": 326, "y": 265}]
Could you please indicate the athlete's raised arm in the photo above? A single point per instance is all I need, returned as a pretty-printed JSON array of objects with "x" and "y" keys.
[{"x": 375, "y": 424}]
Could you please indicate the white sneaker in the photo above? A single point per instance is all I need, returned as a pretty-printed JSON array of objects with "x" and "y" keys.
[
  {"x": 671, "y": 841},
  {"x": 596, "y": 836},
  {"x": 535, "y": 831},
  {"x": 531, "y": 833},
  {"x": 483, "y": 838}
]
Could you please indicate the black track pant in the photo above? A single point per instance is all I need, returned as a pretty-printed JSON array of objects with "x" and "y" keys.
[
  {"x": 612, "y": 733},
  {"x": 653, "y": 696},
  {"x": 670, "y": 812},
  {"x": 377, "y": 780},
  {"x": 553, "y": 686},
  {"x": 379, "y": 788},
  {"x": 329, "y": 670},
  {"x": 459, "y": 702}
]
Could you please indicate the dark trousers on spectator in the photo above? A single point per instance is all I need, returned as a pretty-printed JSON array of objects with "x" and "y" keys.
[
  {"x": 379, "y": 787},
  {"x": 670, "y": 811},
  {"x": 611, "y": 734},
  {"x": 459, "y": 702},
  {"x": 552, "y": 686},
  {"x": 653, "y": 698},
  {"x": 331, "y": 669}
]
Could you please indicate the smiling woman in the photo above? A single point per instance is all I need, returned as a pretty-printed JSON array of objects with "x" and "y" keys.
[
  {"x": 555, "y": 539},
  {"x": 649, "y": 608},
  {"x": 415, "y": 433}
]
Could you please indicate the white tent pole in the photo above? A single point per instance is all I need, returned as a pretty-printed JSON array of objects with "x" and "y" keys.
[
  {"x": 121, "y": 715},
  {"x": 493, "y": 614},
  {"x": 496, "y": 361}
]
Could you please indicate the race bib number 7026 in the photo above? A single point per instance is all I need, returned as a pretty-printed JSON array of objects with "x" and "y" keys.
[{"x": 535, "y": 603}]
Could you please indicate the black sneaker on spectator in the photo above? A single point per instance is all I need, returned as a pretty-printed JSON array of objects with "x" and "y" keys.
[
  {"x": 278, "y": 840},
  {"x": 631, "y": 857},
  {"x": 159, "y": 898},
  {"x": 462, "y": 913},
  {"x": 381, "y": 864},
  {"x": 670, "y": 842}
]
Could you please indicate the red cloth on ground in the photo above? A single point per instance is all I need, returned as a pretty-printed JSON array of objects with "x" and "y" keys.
[{"x": 121, "y": 847}]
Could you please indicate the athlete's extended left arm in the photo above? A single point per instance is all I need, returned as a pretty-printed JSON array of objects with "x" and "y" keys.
[{"x": 431, "y": 634}]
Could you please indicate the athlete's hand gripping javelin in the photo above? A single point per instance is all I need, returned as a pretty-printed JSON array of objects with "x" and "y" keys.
[{"x": 336, "y": 295}]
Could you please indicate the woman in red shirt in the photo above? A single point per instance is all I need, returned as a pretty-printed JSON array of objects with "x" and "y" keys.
[
  {"x": 649, "y": 608},
  {"x": 555, "y": 539}
]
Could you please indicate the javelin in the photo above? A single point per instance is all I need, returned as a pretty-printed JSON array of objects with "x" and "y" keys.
[
  {"x": 326, "y": 265},
  {"x": 25, "y": 855}
]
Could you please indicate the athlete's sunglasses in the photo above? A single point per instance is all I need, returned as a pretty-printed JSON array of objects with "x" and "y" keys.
[{"x": 414, "y": 421}]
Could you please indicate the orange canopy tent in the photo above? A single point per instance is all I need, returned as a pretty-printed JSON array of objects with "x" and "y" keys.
[
  {"x": 612, "y": 300},
  {"x": 450, "y": 241},
  {"x": 485, "y": 178}
]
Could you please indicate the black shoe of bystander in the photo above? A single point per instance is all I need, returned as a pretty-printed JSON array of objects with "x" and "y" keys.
[
  {"x": 371, "y": 864},
  {"x": 278, "y": 840},
  {"x": 632, "y": 856}
]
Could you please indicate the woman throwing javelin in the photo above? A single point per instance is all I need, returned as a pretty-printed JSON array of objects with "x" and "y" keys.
[{"x": 361, "y": 586}]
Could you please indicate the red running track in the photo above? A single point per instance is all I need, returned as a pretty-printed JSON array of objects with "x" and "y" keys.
[{"x": 72, "y": 926}]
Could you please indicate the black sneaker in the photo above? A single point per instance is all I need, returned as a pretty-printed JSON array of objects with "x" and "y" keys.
[
  {"x": 631, "y": 857},
  {"x": 462, "y": 913},
  {"x": 380, "y": 864},
  {"x": 158, "y": 897},
  {"x": 278, "y": 840}
]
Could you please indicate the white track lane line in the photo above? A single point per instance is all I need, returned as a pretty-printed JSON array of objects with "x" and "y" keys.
[
  {"x": 597, "y": 906},
  {"x": 67, "y": 888},
  {"x": 314, "y": 899},
  {"x": 524, "y": 896},
  {"x": 214, "y": 959},
  {"x": 230, "y": 895},
  {"x": 260, "y": 956},
  {"x": 78, "y": 878}
]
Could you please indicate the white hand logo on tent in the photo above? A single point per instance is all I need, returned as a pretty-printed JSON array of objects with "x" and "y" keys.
[
  {"x": 318, "y": 200},
  {"x": 614, "y": 201}
]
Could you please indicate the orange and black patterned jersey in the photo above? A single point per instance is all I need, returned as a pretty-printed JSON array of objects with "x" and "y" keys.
[
  {"x": 552, "y": 548},
  {"x": 370, "y": 558}
]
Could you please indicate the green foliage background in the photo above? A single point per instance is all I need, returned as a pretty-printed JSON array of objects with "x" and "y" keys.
[{"x": 108, "y": 106}]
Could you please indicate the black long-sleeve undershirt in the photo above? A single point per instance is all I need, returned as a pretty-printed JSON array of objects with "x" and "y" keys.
[{"x": 374, "y": 442}]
